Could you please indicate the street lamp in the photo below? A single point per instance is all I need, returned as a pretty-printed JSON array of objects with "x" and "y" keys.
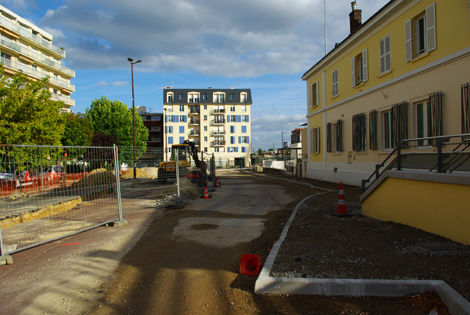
[{"x": 133, "y": 111}]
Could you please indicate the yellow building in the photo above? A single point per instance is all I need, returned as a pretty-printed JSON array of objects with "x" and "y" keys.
[
  {"x": 402, "y": 74},
  {"x": 26, "y": 47}
]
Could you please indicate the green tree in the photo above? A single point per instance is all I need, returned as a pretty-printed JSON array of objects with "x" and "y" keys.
[
  {"x": 27, "y": 115},
  {"x": 77, "y": 130},
  {"x": 113, "y": 118}
]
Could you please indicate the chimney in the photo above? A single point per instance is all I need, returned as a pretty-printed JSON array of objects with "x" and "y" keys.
[{"x": 354, "y": 18}]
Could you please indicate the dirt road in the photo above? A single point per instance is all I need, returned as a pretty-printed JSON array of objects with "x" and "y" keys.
[
  {"x": 187, "y": 261},
  {"x": 177, "y": 262}
]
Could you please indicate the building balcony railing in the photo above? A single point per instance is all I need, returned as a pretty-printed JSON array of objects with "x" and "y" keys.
[
  {"x": 66, "y": 99},
  {"x": 35, "y": 73},
  {"x": 194, "y": 112},
  {"x": 193, "y": 100},
  {"x": 218, "y": 111},
  {"x": 218, "y": 143},
  {"x": 194, "y": 121},
  {"x": 219, "y": 121},
  {"x": 27, "y": 34},
  {"x": 218, "y": 133},
  {"x": 5, "y": 42},
  {"x": 194, "y": 134}
]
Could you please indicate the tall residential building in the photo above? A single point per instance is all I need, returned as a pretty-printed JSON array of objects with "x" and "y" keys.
[
  {"x": 28, "y": 48},
  {"x": 154, "y": 124},
  {"x": 217, "y": 120},
  {"x": 402, "y": 74}
]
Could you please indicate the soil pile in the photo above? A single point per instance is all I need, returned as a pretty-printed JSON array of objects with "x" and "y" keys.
[
  {"x": 144, "y": 172},
  {"x": 96, "y": 177}
]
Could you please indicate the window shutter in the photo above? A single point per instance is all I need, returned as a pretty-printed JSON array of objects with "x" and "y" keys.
[
  {"x": 353, "y": 71},
  {"x": 328, "y": 137},
  {"x": 387, "y": 53},
  {"x": 365, "y": 74},
  {"x": 354, "y": 132},
  {"x": 431, "y": 27},
  {"x": 465, "y": 110},
  {"x": 340, "y": 135},
  {"x": 247, "y": 118},
  {"x": 310, "y": 100},
  {"x": 373, "y": 129},
  {"x": 247, "y": 139},
  {"x": 239, "y": 139},
  {"x": 408, "y": 42},
  {"x": 316, "y": 94}
]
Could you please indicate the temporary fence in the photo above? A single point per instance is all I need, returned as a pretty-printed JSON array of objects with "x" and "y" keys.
[{"x": 49, "y": 192}]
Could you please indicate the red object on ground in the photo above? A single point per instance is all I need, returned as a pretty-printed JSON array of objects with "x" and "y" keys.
[
  {"x": 250, "y": 264},
  {"x": 206, "y": 194},
  {"x": 341, "y": 207},
  {"x": 68, "y": 244},
  {"x": 217, "y": 183}
]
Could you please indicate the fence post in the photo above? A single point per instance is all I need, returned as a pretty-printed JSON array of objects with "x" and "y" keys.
[
  {"x": 118, "y": 181},
  {"x": 177, "y": 166},
  {"x": 1, "y": 243}
]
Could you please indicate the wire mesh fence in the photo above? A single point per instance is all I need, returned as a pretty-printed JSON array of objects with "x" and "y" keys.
[{"x": 48, "y": 192}]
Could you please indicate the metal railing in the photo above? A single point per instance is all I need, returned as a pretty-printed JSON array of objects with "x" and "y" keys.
[
  {"x": 50, "y": 192},
  {"x": 8, "y": 24},
  {"x": 36, "y": 73},
  {"x": 437, "y": 159},
  {"x": 66, "y": 99},
  {"x": 6, "y": 42}
]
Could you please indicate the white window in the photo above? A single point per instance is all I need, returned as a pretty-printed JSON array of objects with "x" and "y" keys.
[
  {"x": 420, "y": 33},
  {"x": 385, "y": 61},
  {"x": 243, "y": 108},
  {"x": 232, "y": 108},
  {"x": 243, "y": 97},
  {"x": 334, "y": 78},
  {"x": 193, "y": 97},
  {"x": 315, "y": 95},
  {"x": 219, "y": 97},
  {"x": 359, "y": 68}
]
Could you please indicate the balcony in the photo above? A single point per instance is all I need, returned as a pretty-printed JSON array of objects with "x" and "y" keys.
[
  {"x": 194, "y": 134},
  {"x": 38, "y": 74},
  {"x": 219, "y": 121},
  {"x": 218, "y": 133},
  {"x": 27, "y": 34},
  {"x": 193, "y": 100},
  {"x": 5, "y": 42},
  {"x": 66, "y": 99},
  {"x": 194, "y": 121},
  {"x": 218, "y": 111},
  {"x": 218, "y": 143},
  {"x": 194, "y": 112}
]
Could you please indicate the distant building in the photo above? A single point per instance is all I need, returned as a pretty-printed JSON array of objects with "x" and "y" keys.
[
  {"x": 217, "y": 120},
  {"x": 26, "y": 47},
  {"x": 154, "y": 124}
]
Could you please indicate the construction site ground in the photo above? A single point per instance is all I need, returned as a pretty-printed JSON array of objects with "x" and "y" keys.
[{"x": 180, "y": 261}]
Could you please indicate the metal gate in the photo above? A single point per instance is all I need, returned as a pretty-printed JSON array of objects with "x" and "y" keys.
[{"x": 50, "y": 192}]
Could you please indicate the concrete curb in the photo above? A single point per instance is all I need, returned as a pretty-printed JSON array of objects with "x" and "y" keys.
[
  {"x": 456, "y": 304},
  {"x": 289, "y": 180}
]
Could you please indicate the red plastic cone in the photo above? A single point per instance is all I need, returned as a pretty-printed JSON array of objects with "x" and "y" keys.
[
  {"x": 217, "y": 183},
  {"x": 341, "y": 206},
  {"x": 206, "y": 194}
]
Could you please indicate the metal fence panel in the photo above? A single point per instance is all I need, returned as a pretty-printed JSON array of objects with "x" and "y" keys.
[{"x": 49, "y": 192}]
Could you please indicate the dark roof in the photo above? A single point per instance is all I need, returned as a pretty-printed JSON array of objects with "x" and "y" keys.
[
  {"x": 338, "y": 45},
  {"x": 232, "y": 96}
]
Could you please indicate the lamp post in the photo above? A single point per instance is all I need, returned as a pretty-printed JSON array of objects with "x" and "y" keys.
[{"x": 133, "y": 112}]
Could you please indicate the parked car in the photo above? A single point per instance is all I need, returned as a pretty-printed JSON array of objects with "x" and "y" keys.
[{"x": 7, "y": 177}]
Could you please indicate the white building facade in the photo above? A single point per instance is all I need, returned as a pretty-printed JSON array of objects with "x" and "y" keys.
[
  {"x": 218, "y": 121},
  {"x": 26, "y": 47}
]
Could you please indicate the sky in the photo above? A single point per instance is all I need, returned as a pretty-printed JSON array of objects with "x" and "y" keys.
[{"x": 264, "y": 45}]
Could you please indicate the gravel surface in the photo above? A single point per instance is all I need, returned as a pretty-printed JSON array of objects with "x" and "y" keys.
[{"x": 320, "y": 245}]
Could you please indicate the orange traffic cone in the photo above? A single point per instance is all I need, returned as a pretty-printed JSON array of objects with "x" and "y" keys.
[
  {"x": 341, "y": 206},
  {"x": 206, "y": 194},
  {"x": 217, "y": 183}
]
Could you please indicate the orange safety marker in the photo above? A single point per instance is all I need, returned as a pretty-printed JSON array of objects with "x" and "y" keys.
[
  {"x": 341, "y": 210},
  {"x": 206, "y": 194},
  {"x": 250, "y": 264},
  {"x": 217, "y": 183}
]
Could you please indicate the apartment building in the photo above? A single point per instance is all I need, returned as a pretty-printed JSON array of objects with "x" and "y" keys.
[
  {"x": 402, "y": 74},
  {"x": 217, "y": 120},
  {"x": 154, "y": 124},
  {"x": 26, "y": 47}
]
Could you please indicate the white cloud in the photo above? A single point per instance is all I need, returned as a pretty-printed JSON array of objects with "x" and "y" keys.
[
  {"x": 242, "y": 38},
  {"x": 266, "y": 129},
  {"x": 113, "y": 83}
]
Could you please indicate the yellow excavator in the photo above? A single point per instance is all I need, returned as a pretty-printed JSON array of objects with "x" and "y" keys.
[{"x": 184, "y": 151}]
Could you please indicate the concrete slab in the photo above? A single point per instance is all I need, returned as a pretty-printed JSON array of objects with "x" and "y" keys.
[{"x": 219, "y": 232}]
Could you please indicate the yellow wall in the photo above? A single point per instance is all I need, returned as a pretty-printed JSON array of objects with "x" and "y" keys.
[
  {"x": 452, "y": 35},
  {"x": 438, "y": 208}
]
